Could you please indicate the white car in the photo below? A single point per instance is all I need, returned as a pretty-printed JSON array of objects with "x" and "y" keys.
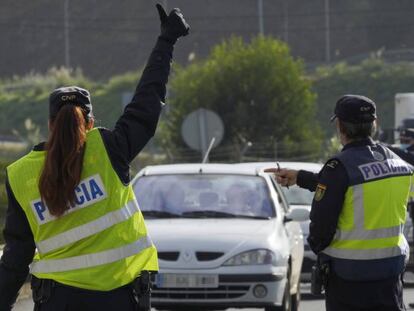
[
  {"x": 225, "y": 237},
  {"x": 298, "y": 198}
]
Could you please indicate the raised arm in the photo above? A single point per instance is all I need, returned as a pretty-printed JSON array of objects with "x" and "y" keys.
[{"x": 138, "y": 123}]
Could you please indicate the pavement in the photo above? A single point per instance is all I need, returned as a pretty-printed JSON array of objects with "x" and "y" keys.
[{"x": 308, "y": 302}]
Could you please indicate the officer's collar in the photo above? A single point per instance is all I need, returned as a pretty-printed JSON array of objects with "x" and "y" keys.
[
  {"x": 40, "y": 147},
  {"x": 358, "y": 143}
]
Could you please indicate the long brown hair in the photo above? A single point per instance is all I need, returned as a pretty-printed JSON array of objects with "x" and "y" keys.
[{"x": 64, "y": 157}]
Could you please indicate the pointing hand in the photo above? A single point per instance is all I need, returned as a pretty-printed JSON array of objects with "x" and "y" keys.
[{"x": 284, "y": 177}]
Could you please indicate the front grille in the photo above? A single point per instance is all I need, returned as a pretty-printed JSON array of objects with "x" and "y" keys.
[
  {"x": 221, "y": 292},
  {"x": 207, "y": 256},
  {"x": 168, "y": 256}
]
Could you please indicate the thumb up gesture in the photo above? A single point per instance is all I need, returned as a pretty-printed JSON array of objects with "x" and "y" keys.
[{"x": 173, "y": 25}]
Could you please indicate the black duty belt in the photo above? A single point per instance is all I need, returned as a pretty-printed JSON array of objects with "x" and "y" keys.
[{"x": 42, "y": 290}]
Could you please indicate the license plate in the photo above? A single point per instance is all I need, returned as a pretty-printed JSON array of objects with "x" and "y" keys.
[{"x": 163, "y": 280}]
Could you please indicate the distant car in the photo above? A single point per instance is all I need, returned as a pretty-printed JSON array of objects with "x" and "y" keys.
[
  {"x": 225, "y": 237},
  {"x": 299, "y": 198}
]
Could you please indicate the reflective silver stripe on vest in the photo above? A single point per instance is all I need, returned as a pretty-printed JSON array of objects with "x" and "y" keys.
[
  {"x": 365, "y": 254},
  {"x": 91, "y": 260},
  {"x": 88, "y": 229},
  {"x": 358, "y": 203},
  {"x": 359, "y": 232}
]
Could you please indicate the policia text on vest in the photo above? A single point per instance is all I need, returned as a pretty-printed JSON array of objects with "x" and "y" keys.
[{"x": 89, "y": 191}]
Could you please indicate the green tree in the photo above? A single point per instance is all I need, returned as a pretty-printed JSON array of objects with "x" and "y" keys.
[
  {"x": 26, "y": 97},
  {"x": 258, "y": 90},
  {"x": 373, "y": 77},
  {"x": 3, "y": 195}
]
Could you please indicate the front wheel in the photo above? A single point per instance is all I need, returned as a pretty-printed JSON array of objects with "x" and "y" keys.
[
  {"x": 296, "y": 299},
  {"x": 287, "y": 299}
]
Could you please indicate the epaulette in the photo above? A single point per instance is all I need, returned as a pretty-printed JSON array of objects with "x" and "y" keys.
[{"x": 332, "y": 164}]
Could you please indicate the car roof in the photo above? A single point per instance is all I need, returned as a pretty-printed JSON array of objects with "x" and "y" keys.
[
  {"x": 307, "y": 166},
  {"x": 252, "y": 168},
  {"x": 198, "y": 168}
]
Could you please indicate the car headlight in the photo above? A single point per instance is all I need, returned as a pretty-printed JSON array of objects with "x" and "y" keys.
[{"x": 253, "y": 257}]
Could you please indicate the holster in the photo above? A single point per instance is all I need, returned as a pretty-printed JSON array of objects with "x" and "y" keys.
[
  {"x": 319, "y": 277},
  {"x": 42, "y": 290},
  {"x": 142, "y": 291}
]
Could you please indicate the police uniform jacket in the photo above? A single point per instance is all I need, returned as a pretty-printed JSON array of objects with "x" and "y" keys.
[
  {"x": 131, "y": 133},
  {"x": 325, "y": 212}
]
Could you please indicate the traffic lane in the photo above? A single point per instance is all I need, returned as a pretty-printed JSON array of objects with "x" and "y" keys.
[{"x": 308, "y": 303}]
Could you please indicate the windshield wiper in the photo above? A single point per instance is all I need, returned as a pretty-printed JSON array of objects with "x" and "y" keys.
[
  {"x": 252, "y": 216},
  {"x": 160, "y": 214},
  {"x": 207, "y": 214}
]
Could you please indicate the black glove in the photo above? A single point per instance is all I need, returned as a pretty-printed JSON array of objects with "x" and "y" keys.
[{"x": 173, "y": 26}]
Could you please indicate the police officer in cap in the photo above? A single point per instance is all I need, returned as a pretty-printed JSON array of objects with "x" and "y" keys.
[
  {"x": 406, "y": 148},
  {"x": 70, "y": 199},
  {"x": 358, "y": 213},
  {"x": 407, "y": 140}
]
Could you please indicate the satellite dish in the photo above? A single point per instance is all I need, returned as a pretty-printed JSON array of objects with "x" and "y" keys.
[{"x": 200, "y": 127}]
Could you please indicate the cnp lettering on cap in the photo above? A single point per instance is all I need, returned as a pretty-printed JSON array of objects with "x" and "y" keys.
[
  {"x": 89, "y": 191},
  {"x": 383, "y": 168},
  {"x": 68, "y": 97}
]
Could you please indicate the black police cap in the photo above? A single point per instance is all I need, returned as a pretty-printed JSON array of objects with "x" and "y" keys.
[
  {"x": 70, "y": 95},
  {"x": 355, "y": 109},
  {"x": 408, "y": 132}
]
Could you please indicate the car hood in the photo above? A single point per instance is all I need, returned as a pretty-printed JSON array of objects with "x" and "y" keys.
[{"x": 187, "y": 237}]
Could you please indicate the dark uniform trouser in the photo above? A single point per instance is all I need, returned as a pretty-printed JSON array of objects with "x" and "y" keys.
[
  {"x": 71, "y": 299},
  {"x": 383, "y": 295}
]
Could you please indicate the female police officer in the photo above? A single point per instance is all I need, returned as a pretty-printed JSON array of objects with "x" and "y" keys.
[{"x": 70, "y": 198}]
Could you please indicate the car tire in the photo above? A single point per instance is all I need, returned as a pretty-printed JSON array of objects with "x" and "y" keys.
[
  {"x": 287, "y": 298},
  {"x": 295, "y": 299}
]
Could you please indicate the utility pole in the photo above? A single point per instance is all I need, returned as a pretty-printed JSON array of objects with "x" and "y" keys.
[
  {"x": 66, "y": 32},
  {"x": 260, "y": 15},
  {"x": 327, "y": 33},
  {"x": 286, "y": 20}
]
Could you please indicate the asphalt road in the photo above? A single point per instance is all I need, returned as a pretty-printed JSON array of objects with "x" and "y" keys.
[{"x": 308, "y": 303}]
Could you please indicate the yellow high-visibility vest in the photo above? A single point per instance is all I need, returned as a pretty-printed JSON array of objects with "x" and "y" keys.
[
  {"x": 101, "y": 242},
  {"x": 371, "y": 222}
]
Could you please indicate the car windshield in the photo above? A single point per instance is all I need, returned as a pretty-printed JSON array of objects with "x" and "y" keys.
[
  {"x": 298, "y": 196},
  {"x": 204, "y": 196}
]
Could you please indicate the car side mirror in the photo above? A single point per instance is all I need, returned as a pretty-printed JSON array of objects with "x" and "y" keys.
[{"x": 297, "y": 214}]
